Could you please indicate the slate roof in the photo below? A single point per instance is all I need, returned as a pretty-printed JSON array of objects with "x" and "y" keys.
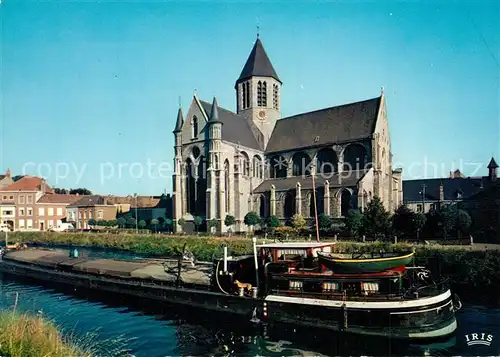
[
  {"x": 468, "y": 187},
  {"x": 337, "y": 180},
  {"x": 88, "y": 201},
  {"x": 214, "y": 113},
  {"x": 258, "y": 64},
  {"x": 59, "y": 198},
  {"x": 236, "y": 128},
  {"x": 179, "y": 122},
  {"x": 28, "y": 183},
  {"x": 336, "y": 124},
  {"x": 493, "y": 164}
]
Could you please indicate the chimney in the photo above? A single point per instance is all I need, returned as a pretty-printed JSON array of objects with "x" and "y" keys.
[
  {"x": 492, "y": 170},
  {"x": 441, "y": 192},
  {"x": 7, "y": 173}
]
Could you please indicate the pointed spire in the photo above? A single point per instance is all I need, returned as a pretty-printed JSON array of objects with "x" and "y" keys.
[
  {"x": 180, "y": 121},
  {"x": 492, "y": 164},
  {"x": 381, "y": 91},
  {"x": 7, "y": 173},
  {"x": 214, "y": 113},
  {"x": 258, "y": 64}
]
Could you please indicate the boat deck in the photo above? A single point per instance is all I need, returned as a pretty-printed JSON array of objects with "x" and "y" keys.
[{"x": 152, "y": 269}]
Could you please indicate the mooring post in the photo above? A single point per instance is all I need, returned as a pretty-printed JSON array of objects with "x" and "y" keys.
[
  {"x": 254, "y": 241},
  {"x": 225, "y": 259}
]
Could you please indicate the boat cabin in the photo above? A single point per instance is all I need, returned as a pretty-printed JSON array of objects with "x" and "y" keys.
[{"x": 282, "y": 252}]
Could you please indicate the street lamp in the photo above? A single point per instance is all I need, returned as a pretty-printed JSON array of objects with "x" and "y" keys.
[
  {"x": 422, "y": 192},
  {"x": 136, "y": 222}
]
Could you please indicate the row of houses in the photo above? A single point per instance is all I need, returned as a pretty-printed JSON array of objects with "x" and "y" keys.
[{"x": 30, "y": 204}]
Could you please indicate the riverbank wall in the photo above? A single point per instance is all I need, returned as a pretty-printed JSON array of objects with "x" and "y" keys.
[{"x": 472, "y": 269}]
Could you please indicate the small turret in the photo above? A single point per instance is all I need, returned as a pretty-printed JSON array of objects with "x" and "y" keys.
[
  {"x": 214, "y": 113},
  {"x": 180, "y": 122},
  {"x": 492, "y": 170}
]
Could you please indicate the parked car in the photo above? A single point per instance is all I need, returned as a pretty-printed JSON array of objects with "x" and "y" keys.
[{"x": 63, "y": 227}]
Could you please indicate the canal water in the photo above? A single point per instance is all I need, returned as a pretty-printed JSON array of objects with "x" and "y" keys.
[{"x": 116, "y": 326}]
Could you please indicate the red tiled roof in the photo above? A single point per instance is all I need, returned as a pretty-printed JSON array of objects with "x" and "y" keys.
[
  {"x": 59, "y": 198},
  {"x": 28, "y": 183}
]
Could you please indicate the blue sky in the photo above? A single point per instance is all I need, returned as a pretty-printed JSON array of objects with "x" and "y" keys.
[{"x": 87, "y": 85}]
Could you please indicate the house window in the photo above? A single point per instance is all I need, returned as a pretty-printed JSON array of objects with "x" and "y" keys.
[
  {"x": 29, "y": 224},
  {"x": 30, "y": 212},
  {"x": 30, "y": 199},
  {"x": 21, "y": 223},
  {"x": 100, "y": 214},
  {"x": 21, "y": 200},
  {"x": 41, "y": 211},
  {"x": 247, "y": 94},
  {"x": 51, "y": 211},
  {"x": 90, "y": 214},
  {"x": 21, "y": 211},
  {"x": 50, "y": 223},
  {"x": 59, "y": 211},
  {"x": 11, "y": 197}
]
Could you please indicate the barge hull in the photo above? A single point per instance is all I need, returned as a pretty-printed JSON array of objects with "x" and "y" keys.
[
  {"x": 428, "y": 318},
  {"x": 205, "y": 299}
]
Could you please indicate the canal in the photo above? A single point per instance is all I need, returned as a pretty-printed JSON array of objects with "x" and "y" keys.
[{"x": 116, "y": 326}]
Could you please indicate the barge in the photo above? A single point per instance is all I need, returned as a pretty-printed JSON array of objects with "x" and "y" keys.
[{"x": 280, "y": 283}]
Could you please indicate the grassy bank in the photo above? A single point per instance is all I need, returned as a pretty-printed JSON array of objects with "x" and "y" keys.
[
  {"x": 23, "y": 335},
  {"x": 474, "y": 269}
]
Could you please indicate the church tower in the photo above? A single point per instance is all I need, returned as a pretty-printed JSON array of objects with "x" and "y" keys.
[{"x": 258, "y": 93}]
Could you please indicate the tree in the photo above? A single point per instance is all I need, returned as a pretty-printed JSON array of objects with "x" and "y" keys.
[
  {"x": 181, "y": 222},
  {"x": 142, "y": 224},
  {"x": 154, "y": 222},
  {"x": 419, "y": 220},
  {"x": 354, "y": 223},
  {"x": 168, "y": 223},
  {"x": 463, "y": 221},
  {"x": 131, "y": 222},
  {"x": 60, "y": 191},
  {"x": 448, "y": 219},
  {"x": 229, "y": 220},
  {"x": 251, "y": 219},
  {"x": 121, "y": 222},
  {"x": 197, "y": 222},
  {"x": 273, "y": 222},
  {"x": 324, "y": 222},
  {"x": 402, "y": 221},
  {"x": 92, "y": 222},
  {"x": 376, "y": 220},
  {"x": 298, "y": 222},
  {"x": 211, "y": 224},
  {"x": 80, "y": 191}
]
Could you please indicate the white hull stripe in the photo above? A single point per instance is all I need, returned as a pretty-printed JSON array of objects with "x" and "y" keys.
[
  {"x": 426, "y": 310},
  {"x": 362, "y": 304}
]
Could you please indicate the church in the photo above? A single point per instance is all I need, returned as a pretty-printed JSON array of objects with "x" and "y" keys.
[{"x": 231, "y": 163}]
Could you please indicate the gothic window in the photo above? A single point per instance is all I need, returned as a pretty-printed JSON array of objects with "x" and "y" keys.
[
  {"x": 262, "y": 94},
  {"x": 195, "y": 126},
  {"x": 278, "y": 167},
  {"x": 226, "y": 184},
  {"x": 257, "y": 167},
  {"x": 301, "y": 164},
  {"x": 355, "y": 158},
  {"x": 244, "y": 96},
  {"x": 245, "y": 161},
  {"x": 327, "y": 161},
  {"x": 275, "y": 96},
  {"x": 247, "y": 94}
]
